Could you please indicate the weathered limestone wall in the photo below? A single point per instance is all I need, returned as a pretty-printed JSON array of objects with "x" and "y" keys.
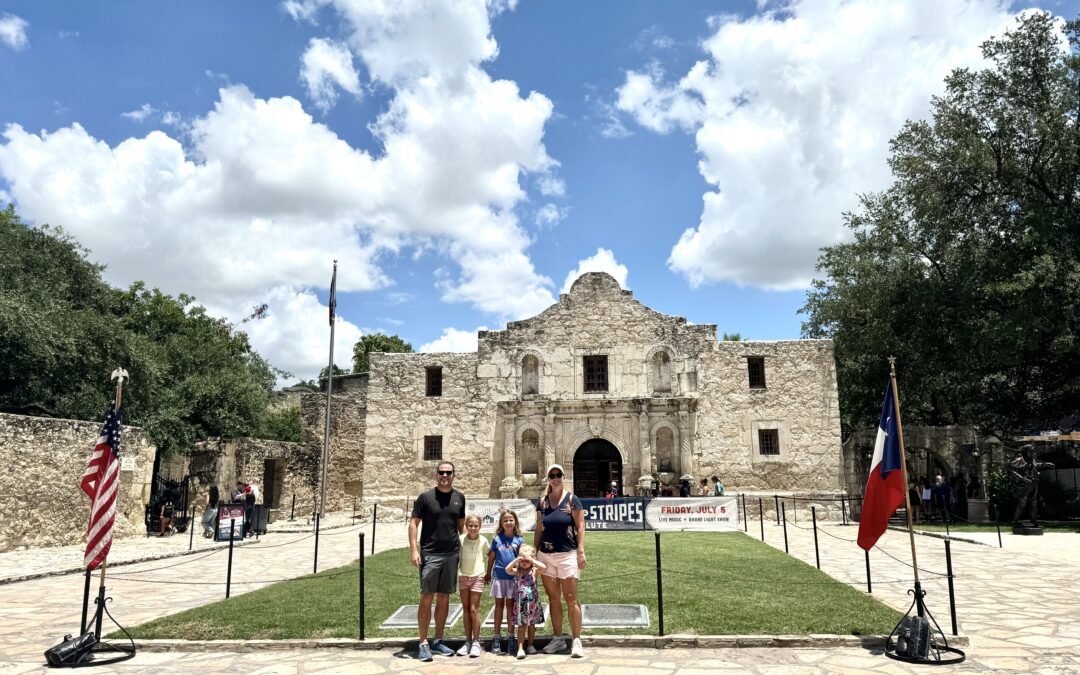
[
  {"x": 799, "y": 400},
  {"x": 348, "y": 432},
  {"x": 41, "y": 503},
  {"x": 400, "y": 414}
]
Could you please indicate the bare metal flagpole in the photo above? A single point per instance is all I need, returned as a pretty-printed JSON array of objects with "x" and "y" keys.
[
  {"x": 329, "y": 390},
  {"x": 903, "y": 466}
]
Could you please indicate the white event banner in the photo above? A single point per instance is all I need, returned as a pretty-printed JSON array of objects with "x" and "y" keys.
[
  {"x": 707, "y": 514},
  {"x": 489, "y": 510}
]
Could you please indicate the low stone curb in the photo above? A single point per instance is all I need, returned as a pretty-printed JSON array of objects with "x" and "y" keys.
[
  {"x": 942, "y": 535},
  {"x": 631, "y": 641}
]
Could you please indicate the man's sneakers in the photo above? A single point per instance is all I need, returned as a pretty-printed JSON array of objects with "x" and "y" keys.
[
  {"x": 557, "y": 644},
  {"x": 425, "y": 652},
  {"x": 474, "y": 650},
  {"x": 530, "y": 650},
  {"x": 464, "y": 651},
  {"x": 496, "y": 644},
  {"x": 437, "y": 647},
  {"x": 577, "y": 651}
]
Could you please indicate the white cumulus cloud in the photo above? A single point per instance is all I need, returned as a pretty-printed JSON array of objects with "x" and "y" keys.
[
  {"x": 453, "y": 340},
  {"x": 326, "y": 67},
  {"x": 260, "y": 197},
  {"x": 13, "y": 31},
  {"x": 141, "y": 113},
  {"x": 603, "y": 261},
  {"x": 791, "y": 113}
]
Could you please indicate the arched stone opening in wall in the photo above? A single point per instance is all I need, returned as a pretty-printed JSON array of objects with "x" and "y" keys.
[
  {"x": 597, "y": 462},
  {"x": 530, "y": 375},
  {"x": 666, "y": 452},
  {"x": 530, "y": 451},
  {"x": 660, "y": 367}
]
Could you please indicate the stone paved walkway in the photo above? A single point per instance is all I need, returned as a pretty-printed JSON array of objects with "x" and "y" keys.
[{"x": 1019, "y": 605}]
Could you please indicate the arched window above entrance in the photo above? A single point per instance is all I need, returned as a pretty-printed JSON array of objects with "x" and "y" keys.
[
  {"x": 530, "y": 451},
  {"x": 660, "y": 372},
  {"x": 530, "y": 375}
]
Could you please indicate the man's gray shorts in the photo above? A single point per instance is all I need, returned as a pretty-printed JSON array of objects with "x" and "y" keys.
[{"x": 438, "y": 573}]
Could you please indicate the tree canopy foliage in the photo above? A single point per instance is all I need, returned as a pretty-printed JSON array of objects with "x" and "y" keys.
[
  {"x": 63, "y": 329},
  {"x": 376, "y": 342},
  {"x": 967, "y": 268}
]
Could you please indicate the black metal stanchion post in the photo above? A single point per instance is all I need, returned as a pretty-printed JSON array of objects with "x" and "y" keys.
[
  {"x": 869, "y": 588},
  {"x": 745, "y": 527},
  {"x": 315, "y": 564},
  {"x": 659, "y": 585},
  {"x": 85, "y": 602},
  {"x": 191, "y": 529},
  {"x": 374, "y": 521},
  {"x": 843, "y": 509},
  {"x": 783, "y": 510},
  {"x": 362, "y": 582},
  {"x": 946, "y": 509},
  {"x": 952, "y": 591},
  {"x": 817, "y": 555},
  {"x": 228, "y": 573},
  {"x": 997, "y": 522},
  {"x": 292, "y": 509},
  {"x": 776, "y": 505},
  {"x": 761, "y": 518}
]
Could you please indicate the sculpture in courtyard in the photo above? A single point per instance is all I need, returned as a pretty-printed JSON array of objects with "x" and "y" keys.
[{"x": 1026, "y": 467}]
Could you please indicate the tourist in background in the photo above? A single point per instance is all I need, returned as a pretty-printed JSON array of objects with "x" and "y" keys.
[
  {"x": 439, "y": 515},
  {"x": 684, "y": 487},
  {"x": 209, "y": 516},
  {"x": 166, "y": 515},
  {"x": 718, "y": 487},
  {"x": 560, "y": 538},
  {"x": 703, "y": 489}
]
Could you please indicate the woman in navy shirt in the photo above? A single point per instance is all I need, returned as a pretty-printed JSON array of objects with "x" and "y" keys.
[{"x": 560, "y": 540}]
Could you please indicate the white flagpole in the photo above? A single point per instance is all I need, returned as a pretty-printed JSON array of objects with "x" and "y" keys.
[{"x": 329, "y": 390}]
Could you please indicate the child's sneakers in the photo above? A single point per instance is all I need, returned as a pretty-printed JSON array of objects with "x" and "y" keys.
[
  {"x": 474, "y": 650},
  {"x": 511, "y": 645},
  {"x": 520, "y": 653},
  {"x": 464, "y": 651},
  {"x": 496, "y": 644}
]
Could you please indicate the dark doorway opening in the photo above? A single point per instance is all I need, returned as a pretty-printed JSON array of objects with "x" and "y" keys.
[
  {"x": 273, "y": 482},
  {"x": 596, "y": 464}
]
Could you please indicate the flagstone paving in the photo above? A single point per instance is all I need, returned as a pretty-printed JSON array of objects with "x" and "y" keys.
[{"x": 1020, "y": 607}]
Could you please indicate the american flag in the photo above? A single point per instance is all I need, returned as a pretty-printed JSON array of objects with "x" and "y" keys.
[{"x": 100, "y": 482}]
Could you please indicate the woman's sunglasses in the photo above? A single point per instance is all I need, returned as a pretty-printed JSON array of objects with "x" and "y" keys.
[{"x": 554, "y": 475}]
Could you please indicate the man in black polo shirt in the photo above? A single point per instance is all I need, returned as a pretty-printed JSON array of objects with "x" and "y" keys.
[{"x": 442, "y": 512}]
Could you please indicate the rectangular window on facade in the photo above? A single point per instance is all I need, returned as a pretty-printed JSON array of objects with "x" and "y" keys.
[
  {"x": 595, "y": 368},
  {"x": 756, "y": 366},
  {"x": 433, "y": 448},
  {"x": 433, "y": 384},
  {"x": 769, "y": 441}
]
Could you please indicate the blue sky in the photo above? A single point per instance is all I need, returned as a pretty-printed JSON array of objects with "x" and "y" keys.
[{"x": 462, "y": 159}]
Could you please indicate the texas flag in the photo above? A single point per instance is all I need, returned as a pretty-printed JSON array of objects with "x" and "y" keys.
[{"x": 885, "y": 485}]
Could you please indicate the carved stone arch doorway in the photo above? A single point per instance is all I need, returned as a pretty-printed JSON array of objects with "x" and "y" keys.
[{"x": 597, "y": 462}]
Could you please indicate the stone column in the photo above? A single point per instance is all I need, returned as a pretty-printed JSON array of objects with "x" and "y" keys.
[
  {"x": 511, "y": 482},
  {"x": 549, "y": 440},
  {"x": 686, "y": 455},
  {"x": 644, "y": 452}
]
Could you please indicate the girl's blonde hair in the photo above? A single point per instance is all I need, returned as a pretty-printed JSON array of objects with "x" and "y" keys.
[
  {"x": 473, "y": 516},
  {"x": 517, "y": 523},
  {"x": 527, "y": 551}
]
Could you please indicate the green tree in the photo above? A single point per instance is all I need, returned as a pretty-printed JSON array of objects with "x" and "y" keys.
[
  {"x": 731, "y": 337},
  {"x": 63, "y": 330},
  {"x": 282, "y": 424},
  {"x": 376, "y": 342},
  {"x": 967, "y": 268}
]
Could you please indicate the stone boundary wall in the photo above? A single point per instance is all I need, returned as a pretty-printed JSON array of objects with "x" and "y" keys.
[{"x": 41, "y": 502}]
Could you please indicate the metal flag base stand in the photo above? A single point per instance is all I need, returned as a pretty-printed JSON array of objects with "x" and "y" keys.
[{"x": 919, "y": 639}]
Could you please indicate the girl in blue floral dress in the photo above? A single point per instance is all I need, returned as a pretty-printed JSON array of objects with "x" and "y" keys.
[{"x": 527, "y": 611}]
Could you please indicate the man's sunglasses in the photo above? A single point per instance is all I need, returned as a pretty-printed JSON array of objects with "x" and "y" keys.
[
  {"x": 446, "y": 473},
  {"x": 554, "y": 475}
]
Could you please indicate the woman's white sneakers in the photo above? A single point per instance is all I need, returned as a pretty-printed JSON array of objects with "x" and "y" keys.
[{"x": 577, "y": 651}]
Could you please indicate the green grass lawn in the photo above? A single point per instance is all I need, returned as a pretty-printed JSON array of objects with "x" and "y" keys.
[{"x": 714, "y": 584}]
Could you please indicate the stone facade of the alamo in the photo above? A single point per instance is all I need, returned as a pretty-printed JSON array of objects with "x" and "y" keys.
[{"x": 599, "y": 383}]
